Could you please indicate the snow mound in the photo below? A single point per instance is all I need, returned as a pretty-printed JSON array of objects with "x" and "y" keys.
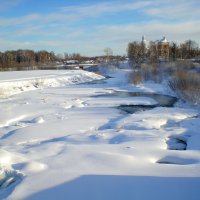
[
  {"x": 177, "y": 160},
  {"x": 38, "y": 120},
  {"x": 152, "y": 119},
  {"x": 193, "y": 142},
  {"x": 8, "y": 176},
  {"x": 37, "y": 80},
  {"x": 35, "y": 167},
  {"x": 176, "y": 143}
]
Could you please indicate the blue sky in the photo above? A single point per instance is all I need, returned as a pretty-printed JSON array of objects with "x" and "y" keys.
[{"x": 88, "y": 27}]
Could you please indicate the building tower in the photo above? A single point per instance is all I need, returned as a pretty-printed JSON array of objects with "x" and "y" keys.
[
  {"x": 145, "y": 45},
  {"x": 163, "y": 49},
  {"x": 145, "y": 42}
]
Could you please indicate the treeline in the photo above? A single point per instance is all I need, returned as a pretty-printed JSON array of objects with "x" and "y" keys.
[
  {"x": 24, "y": 59},
  {"x": 180, "y": 71},
  {"x": 108, "y": 58},
  {"x": 187, "y": 50},
  {"x": 139, "y": 52},
  {"x": 75, "y": 56}
]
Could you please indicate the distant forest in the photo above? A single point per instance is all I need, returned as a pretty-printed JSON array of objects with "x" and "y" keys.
[
  {"x": 29, "y": 59},
  {"x": 138, "y": 53},
  {"x": 21, "y": 59}
]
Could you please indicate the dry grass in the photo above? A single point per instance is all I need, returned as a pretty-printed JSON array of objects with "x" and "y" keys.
[
  {"x": 151, "y": 72},
  {"x": 187, "y": 85},
  {"x": 145, "y": 73},
  {"x": 135, "y": 77},
  {"x": 184, "y": 64},
  {"x": 183, "y": 77}
]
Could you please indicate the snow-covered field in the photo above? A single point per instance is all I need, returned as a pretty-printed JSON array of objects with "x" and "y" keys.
[{"x": 59, "y": 140}]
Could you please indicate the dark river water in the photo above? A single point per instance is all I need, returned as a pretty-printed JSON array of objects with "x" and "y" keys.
[{"x": 162, "y": 100}]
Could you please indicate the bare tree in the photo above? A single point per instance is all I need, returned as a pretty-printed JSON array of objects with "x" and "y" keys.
[
  {"x": 189, "y": 49},
  {"x": 108, "y": 53},
  {"x": 136, "y": 54},
  {"x": 173, "y": 51},
  {"x": 153, "y": 52}
]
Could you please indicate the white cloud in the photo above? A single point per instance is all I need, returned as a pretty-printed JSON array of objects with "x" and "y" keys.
[
  {"x": 168, "y": 9},
  {"x": 116, "y": 37},
  {"x": 5, "y": 5},
  {"x": 60, "y": 30},
  {"x": 181, "y": 9},
  {"x": 153, "y": 29},
  {"x": 39, "y": 45},
  {"x": 73, "y": 13},
  {"x": 20, "y": 20},
  {"x": 102, "y": 8}
]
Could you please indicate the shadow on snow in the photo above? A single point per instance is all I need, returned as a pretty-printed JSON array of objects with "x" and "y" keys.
[{"x": 98, "y": 187}]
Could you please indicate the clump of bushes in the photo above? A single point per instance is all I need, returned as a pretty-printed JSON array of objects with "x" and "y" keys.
[
  {"x": 182, "y": 75},
  {"x": 187, "y": 85},
  {"x": 135, "y": 77},
  {"x": 184, "y": 64},
  {"x": 147, "y": 72},
  {"x": 151, "y": 72}
]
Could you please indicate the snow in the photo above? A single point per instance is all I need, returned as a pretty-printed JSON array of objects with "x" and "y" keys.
[
  {"x": 26, "y": 81},
  {"x": 120, "y": 100},
  {"x": 61, "y": 139},
  {"x": 193, "y": 142},
  {"x": 163, "y": 40}
]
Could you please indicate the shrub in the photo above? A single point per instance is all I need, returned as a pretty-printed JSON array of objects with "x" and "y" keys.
[
  {"x": 145, "y": 73},
  {"x": 187, "y": 85},
  {"x": 151, "y": 72},
  {"x": 183, "y": 77},
  {"x": 184, "y": 64},
  {"x": 135, "y": 77}
]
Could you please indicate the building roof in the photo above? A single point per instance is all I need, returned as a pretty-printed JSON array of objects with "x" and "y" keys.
[
  {"x": 145, "y": 42},
  {"x": 144, "y": 39},
  {"x": 163, "y": 40}
]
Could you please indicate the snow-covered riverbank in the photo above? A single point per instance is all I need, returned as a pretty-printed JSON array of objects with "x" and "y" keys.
[{"x": 60, "y": 141}]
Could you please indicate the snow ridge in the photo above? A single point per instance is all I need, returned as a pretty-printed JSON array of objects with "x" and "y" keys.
[{"x": 12, "y": 85}]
